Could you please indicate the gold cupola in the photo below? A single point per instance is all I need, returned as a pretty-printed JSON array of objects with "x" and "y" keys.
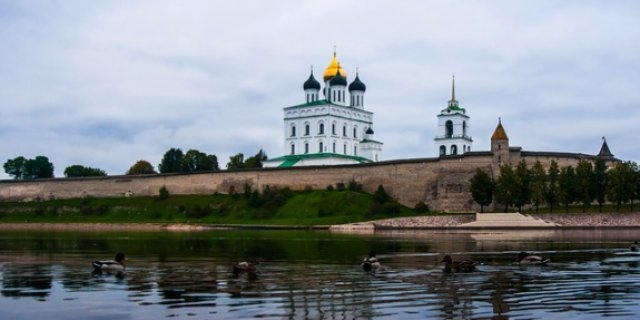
[{"x": 333, "y": 69}]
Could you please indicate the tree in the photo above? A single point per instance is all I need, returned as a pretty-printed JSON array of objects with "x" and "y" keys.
[
  {"x": 256, "y": 160},
  {"x": 195, "y": 160},
  {"x": 538, "y": 185},
  {"x": 77, "y": 170},
  {"x": 482, "y": 188},
  {"x": 236, "y": 162},
  {"x": 585, "y": 183},
  {"x": 22, "y": 168},
  {"x": 567, "y": 187},
  {"x": 171, "y": 161},
  {"x": 16, "y": 167},
  {"x": 505, "y": 186},
  {"x": 141, "y": 167},
  {"x": 600, "y": 177},
  {"x": 621, "y": 188},
  {"x": 522, "y": 193},
  {"x": 552, "y": 193}
]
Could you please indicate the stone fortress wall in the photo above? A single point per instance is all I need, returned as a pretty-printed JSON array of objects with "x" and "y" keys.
[{"x": 442, "y": 183}]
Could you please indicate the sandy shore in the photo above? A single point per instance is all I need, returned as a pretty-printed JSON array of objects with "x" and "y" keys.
[{"x": 570, "y": 220}]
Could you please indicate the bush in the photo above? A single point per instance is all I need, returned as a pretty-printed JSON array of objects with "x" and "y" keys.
[
  {"x": 163, "y": 193},
  {"x": 340, "y": 186},
  {"x": 381, "y": 196},
  {"x": 197, "y": 212},
  {"x": 354, "y": 186},
  {"x": 421, "y": 207},
  {"x": 330, "y": 188}
]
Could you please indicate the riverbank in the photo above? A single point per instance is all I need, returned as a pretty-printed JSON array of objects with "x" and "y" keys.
[{"x": 563, "y": 220}]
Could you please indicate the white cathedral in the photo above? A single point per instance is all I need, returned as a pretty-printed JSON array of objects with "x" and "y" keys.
[
  {"x": 330, "y": 131},
  {"x": 338, "y": 130}
]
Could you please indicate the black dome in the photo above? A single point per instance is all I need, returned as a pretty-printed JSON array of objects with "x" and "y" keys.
[
  {"x": 369, "y": 131},
  {"x": 357, "y": 85},
  {"x": 311, "y": 83},
  {"x": 338, "y": 80}
]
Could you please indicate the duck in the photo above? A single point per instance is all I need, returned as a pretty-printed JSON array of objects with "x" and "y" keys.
[
  {"x": 525, "y": 258},
  {"x": 370, "y": 263},
  {"x": 635, "y": 246},
  {"x": 108, "y": 266},
  {"x": 248, "y": 267},
  {"x": 463, "y": 266}
]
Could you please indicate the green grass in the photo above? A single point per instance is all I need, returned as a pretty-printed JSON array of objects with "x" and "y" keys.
[{"x": 278, "y": 207}]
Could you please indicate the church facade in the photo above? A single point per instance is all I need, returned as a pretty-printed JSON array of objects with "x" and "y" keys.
[{"x": 332, "y": 126}]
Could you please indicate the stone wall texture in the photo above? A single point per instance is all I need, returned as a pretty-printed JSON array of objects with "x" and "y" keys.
[{"x": 442, "y": 183}]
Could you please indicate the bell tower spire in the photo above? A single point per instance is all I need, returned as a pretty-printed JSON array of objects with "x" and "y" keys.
[{"x": 453, "y": 103}]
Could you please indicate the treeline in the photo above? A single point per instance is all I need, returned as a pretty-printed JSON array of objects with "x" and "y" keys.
[
  {"x": 586, "y": 184},
  {"x": 173, "y": 161}
]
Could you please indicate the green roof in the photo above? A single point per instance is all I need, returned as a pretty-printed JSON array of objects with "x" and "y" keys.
[
  {"x": 314, "y": 103},
  {"x": 291, "y": 160}
]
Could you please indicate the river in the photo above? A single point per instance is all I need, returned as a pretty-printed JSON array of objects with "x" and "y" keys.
[{"x": 317, "y": 275}]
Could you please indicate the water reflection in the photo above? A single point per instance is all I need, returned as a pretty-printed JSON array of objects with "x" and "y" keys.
[{"x": 317, "y": 275}]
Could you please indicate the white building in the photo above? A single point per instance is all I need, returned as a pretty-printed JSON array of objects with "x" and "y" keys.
[
  {"x": 330, "y": 131},
  {"x": 453, "y": 128}
]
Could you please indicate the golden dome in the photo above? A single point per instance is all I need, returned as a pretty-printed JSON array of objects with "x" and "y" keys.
[{"x": 333, "y": 68}]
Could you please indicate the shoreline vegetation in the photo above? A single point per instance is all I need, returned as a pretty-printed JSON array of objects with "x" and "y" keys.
[{"x": 347, "y": 209}]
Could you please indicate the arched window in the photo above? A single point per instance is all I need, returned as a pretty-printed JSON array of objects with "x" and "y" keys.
[
  {"x": 449, "y": 129},
  {"x": 355, "y": 132},
  {"x": 344, "y": 131},
  {"x": 454, "y": 149},
  {"x": 293, "y": 148},
  {"x": 306, "y": 147},
  {"x": 293, "y": 131},
  {"x": 320, "y": 147},
  {"x": 464, "y": 128},
  {"x": 321, "y": 128},
  {"x": 345, "y": 149},
  {"x": 307, "y": 129},
  {"x": 333, "y": 129},
  {"x": 443, "y": 150}
]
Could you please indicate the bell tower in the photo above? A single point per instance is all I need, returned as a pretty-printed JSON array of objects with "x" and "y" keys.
[{"x": 453, "y": 128}]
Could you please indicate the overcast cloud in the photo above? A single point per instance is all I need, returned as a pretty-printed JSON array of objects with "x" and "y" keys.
[{"x": 106, "y": 83}]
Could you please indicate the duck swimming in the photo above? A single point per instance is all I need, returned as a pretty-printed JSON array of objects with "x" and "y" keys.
[
  {"x": 248, "y": 267},
  {"x": 463, "y": 266},
  {"x": 525, "y": 259},
  {"x": 110, "y": 266},
  {"x": 370, "y": 263}
]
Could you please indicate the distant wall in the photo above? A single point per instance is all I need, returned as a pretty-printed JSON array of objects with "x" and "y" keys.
[{"x": 442, "y": 183}]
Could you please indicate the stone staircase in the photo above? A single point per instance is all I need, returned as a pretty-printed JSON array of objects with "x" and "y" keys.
[{"x": 507, "y": 220}]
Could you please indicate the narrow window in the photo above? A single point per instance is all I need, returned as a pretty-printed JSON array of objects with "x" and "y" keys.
[
  {"x": 293, "y": 131},
  {"x": 306, "y": 129},
  {"x": 306, "y": 147},
  {"x": 320, "y": 147},
  {"x": 321, "y": 128},
  {"x": 293, "y": 149}
]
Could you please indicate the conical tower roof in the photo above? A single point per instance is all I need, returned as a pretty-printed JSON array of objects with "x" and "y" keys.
[
  {"x": 499, "y": 133},
  {"x": 604, "y": 150}
]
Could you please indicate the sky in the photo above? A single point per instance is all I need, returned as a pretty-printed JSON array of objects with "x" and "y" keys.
[{"x": 104, "y": 84}]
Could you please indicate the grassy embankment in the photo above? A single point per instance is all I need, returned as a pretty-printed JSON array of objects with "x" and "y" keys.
[{"x": 280, "y": 207}]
